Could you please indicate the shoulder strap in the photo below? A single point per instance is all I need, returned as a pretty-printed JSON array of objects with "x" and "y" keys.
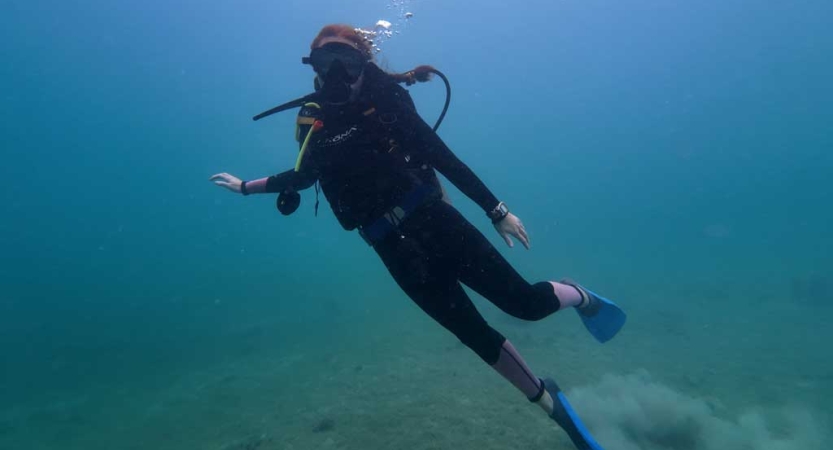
[{"x": 307, "y": 115}]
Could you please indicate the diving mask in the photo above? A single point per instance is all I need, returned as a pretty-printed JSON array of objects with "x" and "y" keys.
[{"x": 330, "y": 56}]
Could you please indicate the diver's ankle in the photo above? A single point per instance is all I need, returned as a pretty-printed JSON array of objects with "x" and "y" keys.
[
  {"x": 568, "y": 295},
  {"x": 585, "y": 297},
  {"x": 546, "y": 403}
]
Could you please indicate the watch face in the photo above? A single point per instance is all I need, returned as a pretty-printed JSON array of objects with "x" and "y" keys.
[{"x": 499, "y": 211}]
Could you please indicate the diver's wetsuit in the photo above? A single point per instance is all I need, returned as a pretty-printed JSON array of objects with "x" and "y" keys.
[{"x": 368, "y": 157}]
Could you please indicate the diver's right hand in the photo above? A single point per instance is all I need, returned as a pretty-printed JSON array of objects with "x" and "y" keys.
[{"x": 227, "y": 181}]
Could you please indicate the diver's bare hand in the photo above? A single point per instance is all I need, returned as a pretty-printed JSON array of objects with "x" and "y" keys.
[
  {"x": 227, "y": 181},
  {"x": 511, "y": 226}
]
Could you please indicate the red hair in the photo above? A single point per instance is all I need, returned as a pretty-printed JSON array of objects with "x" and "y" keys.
[
  {"x": 419, "y": 74},
  {"x": 344, "y": 32}
]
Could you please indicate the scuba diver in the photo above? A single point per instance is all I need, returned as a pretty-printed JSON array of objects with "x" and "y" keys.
[{"x": 375, "y": 159}]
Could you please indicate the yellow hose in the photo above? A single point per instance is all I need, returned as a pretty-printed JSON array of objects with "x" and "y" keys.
[{"x": 312, "y": 129}]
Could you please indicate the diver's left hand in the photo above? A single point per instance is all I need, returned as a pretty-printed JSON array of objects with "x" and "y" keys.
[{"x": 511, "y": 226}]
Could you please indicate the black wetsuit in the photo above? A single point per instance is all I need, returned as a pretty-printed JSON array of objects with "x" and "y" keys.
[{"x": 368, "y": 158}]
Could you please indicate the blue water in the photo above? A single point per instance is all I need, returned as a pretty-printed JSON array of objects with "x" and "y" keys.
[{"x": 675, "y": 156}]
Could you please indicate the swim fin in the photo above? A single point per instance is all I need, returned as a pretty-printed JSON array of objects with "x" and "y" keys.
[
  {"x": 602, "y": 318},
  {"x": 566, "y": 417}
]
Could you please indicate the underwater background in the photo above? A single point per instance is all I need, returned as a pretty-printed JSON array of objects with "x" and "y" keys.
[{"x": 675, "y": 156}]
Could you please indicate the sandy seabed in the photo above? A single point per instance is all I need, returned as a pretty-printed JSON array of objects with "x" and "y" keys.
[{"x": 670, "y": 380}]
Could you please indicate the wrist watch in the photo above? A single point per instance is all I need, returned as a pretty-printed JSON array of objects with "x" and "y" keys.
[{"x": 497, "y": 214}]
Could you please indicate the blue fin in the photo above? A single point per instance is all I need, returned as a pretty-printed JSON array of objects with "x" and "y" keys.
[
  {"x": 565, "y": 416},
  {"x": 602, "y": 318}
]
